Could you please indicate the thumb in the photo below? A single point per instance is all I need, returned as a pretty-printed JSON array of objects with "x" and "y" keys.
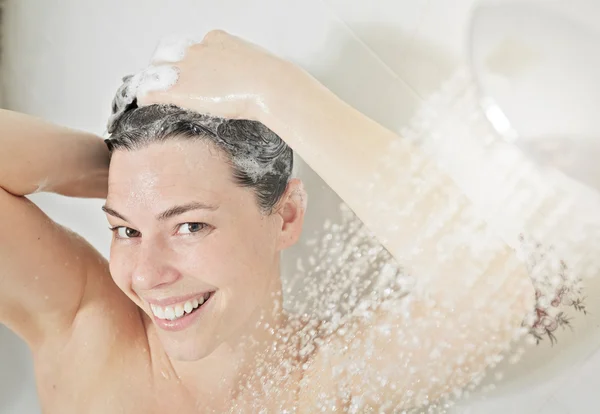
[{"x": 155, "y": 97}]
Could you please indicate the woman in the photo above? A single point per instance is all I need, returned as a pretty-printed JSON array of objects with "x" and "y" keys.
[{"x": 191, "y": 319}]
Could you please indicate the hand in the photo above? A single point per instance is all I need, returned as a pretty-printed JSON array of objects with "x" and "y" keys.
[{"x": 222, "y": 75}]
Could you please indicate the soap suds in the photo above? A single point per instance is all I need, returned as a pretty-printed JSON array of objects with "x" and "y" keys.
[
  {"x": 173, "y": 48},
  {"x": 346, "y": 273},
  {"x": 153, "y": 78},
  {"x": 347, "y": 278},
  {"x": 157, "y": 78}
]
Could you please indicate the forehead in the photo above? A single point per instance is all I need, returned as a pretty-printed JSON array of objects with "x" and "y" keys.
[{"x": 170, "y": 170}]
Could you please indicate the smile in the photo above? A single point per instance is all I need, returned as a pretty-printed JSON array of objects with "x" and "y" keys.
[{"x": 179, "y": 310}]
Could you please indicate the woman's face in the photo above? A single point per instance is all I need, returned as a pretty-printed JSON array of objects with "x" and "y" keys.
[{"x": 186, "y": 233}]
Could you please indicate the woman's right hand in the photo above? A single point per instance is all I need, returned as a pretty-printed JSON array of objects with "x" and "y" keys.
[{"x": 223, "y": 75}]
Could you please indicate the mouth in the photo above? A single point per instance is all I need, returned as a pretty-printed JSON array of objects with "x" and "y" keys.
[{"x": 180, "y": 315}]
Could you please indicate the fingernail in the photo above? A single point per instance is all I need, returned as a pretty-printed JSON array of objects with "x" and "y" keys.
[
  {"x": 157, "y": 78},
  {"x": 172, "y": 48}
]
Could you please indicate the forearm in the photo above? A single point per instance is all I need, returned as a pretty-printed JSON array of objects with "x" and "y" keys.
[
  {"x": 415, "y": 210},
  {"x": 39, "y": 156},
  {"x": 350, "y": 151},
  {"x": 342, "y": 145},
  {"x": 480, "y": 292}
]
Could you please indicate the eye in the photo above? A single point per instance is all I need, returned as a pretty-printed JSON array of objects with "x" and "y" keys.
[
  {"x": 188, "y": 228},
  {"x": 125, "y": 232}
]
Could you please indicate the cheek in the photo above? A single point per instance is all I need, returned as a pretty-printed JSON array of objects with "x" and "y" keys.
[
  {"x": 215, "y": 262},
  {"x": 120, "y": 271},
  {"x": 255, "y": 255},
  {"x": 235, "y": 260}
]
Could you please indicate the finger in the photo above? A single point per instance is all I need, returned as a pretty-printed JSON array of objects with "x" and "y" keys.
[
  {"x": 156, "y": 97},
  {"x": 216, "y": 35},
  {"x": 156, "y": 79},
  {"x": 173, "y": 48},
  {"x": 174, "y": 98}
]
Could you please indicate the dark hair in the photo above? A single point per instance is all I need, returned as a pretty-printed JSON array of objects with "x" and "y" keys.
[{"x": 259, "y": 158}]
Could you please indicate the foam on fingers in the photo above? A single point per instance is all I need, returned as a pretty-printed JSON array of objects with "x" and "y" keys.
[
  {"x": 172, "y": 48},
  {"x": 153, "y": 78},
  {"x": 157, "y": 78}
]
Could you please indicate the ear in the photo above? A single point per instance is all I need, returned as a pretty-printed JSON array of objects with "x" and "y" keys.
[{"x": 291, "y": 209}]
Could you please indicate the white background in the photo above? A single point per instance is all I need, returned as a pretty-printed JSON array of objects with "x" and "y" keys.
[{"x": 64, "y": 59}]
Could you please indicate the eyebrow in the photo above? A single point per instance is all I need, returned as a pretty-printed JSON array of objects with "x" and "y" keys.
[{"x": 167, "y": 214}]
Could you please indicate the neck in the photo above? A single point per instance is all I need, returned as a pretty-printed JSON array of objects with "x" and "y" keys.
[{"x": 232, "y": 366}]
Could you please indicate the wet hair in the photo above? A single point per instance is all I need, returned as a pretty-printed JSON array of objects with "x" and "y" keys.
[{"x": 259, "y": 158}]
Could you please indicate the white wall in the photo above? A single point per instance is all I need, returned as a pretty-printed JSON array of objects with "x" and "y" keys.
[{"x": 64, "y": 60}]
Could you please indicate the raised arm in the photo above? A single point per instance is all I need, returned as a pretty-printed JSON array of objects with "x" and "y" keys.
[
  {"x": 475, "y": 291},
  {"x": 43, "y": 266},
  {"x": 472, "y": 292}
]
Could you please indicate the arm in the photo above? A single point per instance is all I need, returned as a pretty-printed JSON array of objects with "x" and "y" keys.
[
  {"x": 39, "y": 156},
  {"x": 43, "y": 265},
  {"x": 476, "y": 292}
]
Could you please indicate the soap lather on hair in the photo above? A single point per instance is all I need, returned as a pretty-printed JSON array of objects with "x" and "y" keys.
[{"x": 260, "y": 159}]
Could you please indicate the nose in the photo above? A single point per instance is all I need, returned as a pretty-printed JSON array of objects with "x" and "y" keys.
[{"x": 153, "y": 267}]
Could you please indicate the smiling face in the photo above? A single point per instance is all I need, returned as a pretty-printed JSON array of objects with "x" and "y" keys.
[{"x": 191, "y": 247}]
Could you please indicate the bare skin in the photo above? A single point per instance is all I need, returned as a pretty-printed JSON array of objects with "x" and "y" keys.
[{"x": 89, "y": 324}]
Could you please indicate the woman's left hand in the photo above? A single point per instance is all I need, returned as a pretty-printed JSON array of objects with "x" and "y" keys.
[{"x": 222, "y": 75}]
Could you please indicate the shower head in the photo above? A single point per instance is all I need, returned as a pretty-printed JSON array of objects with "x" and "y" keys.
[{"x": 537, "y": 65}]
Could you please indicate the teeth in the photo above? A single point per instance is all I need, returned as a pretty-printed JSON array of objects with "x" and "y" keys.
[
  {"x": 175, "y": 312},
  {"x": 169, "y": 313},
  {"x": 158, "y": 312}
]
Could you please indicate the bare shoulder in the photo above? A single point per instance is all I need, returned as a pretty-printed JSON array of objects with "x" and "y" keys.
[
  {"x": 88, "y": 339},
  {"x": 51, "y": 277},
  {"x": 320, "y": 388},
  {"x": 104, "y": 348}
]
